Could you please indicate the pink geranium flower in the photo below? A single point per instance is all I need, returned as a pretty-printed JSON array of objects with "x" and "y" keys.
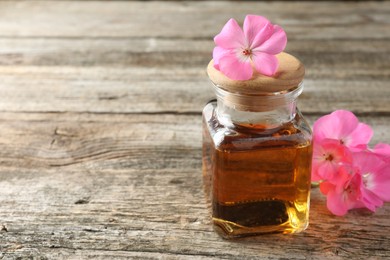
[
  {"x": 363, "y": 184},
  {"x": 342, "y": 125},
  {"x": 328, "y": 155},
  {"x": 376, "y": 178},
  {"x": 238, "y": 50},
  {"x": 344, "y": 193}
]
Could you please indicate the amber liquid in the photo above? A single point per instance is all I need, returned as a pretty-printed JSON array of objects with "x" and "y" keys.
[{"x": 258, "y": 179}]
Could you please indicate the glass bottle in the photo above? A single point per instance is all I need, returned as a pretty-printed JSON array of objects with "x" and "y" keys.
[{"x": 257, "y": 153}]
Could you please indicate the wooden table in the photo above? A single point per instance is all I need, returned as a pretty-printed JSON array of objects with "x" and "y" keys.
[{"x": 100, "y": 142}]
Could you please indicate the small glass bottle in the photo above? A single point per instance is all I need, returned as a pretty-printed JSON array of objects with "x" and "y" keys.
[{"x": 257, "y": 151}]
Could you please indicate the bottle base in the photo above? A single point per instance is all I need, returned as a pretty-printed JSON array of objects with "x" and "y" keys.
[{"x": 230, "y": 230}]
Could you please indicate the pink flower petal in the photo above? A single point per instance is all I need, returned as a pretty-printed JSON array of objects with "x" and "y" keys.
[
  {"x": 231, "y": 36},
  {"x": 337, "y": 125},
  {"x": 383, "y": 151},
  {"x": 275, "y": 44},
  {"x": 359, "y": 148},
  {"x": 343, "y": 176},
  {"x": 235, "y": 69},
  {"x": 370, "y": 200},
  {"x": 257, "y": 29},
  {"x": 327, "y": 170},
  {"x": 352, "y": 191},
  {"x": 265, "y": 64},
  {"x": 325, "y": 187},
  {"x": 324, "y": 128},
  {"x": 361, "y": 135},
  {"x": 383, "y": 146},
  {"x": 336, "y": 203},
  {"x": 314, "y": 173},
  {"x": 218, "y": 53},
  {"x": 367, "y": 162},
  {"x": 348, "y": 123},
  {"x": 379, "y": 182}
]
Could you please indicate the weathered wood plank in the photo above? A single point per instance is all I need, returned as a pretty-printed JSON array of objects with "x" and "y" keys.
[
  {"x": 100, "y": 144},
  {"x": 122, "y": 223},
  {"x": 114, "y": 141},
  {"x": 354, "y": 73},
  {"x": 153, "y": 90},
  {"x": 342, "y": 59},
  {"x": 325, "y": 20},
  {"x": 134, "y": 185},
  {"x": 77, "y": 254}
]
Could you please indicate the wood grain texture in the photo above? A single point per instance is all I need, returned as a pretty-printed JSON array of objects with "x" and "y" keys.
[
  {"x": 190, "y": 19},
  {"x": 154, "y": 90},
  {"x": 100, "y": 118},
  {"x": 118, "y": 185},
  {"x": 42, "y": 140}
]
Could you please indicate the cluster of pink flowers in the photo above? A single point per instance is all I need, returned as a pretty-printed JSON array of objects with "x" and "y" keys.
[{"x": 351, "y": 174}]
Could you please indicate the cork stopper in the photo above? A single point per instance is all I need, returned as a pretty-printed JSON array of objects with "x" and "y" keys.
[
  {"x": 261, "y": 93},
  {"x": 289, "y": 75}
]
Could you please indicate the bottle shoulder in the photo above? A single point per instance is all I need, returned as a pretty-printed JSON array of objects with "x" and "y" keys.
[{"x": 234, "y": 137}]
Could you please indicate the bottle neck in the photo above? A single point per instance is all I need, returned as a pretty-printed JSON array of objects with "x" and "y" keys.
[{"x": 263, "y": 111}]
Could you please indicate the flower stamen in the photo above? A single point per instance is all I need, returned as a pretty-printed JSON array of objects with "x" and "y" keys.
[
  {"x": 366, "y": 181},
  {"x": 247, "y": 52},
  {"x": 329, "y": 157}
]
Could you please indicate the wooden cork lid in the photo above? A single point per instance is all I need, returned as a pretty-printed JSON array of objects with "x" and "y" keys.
[{"x": 289, "y": 75}]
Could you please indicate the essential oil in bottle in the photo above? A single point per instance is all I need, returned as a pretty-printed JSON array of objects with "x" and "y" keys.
[{"x": 257, "y": 153}]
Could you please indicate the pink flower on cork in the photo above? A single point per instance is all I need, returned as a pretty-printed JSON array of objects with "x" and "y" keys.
[{"x": 238, "y": 51}]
